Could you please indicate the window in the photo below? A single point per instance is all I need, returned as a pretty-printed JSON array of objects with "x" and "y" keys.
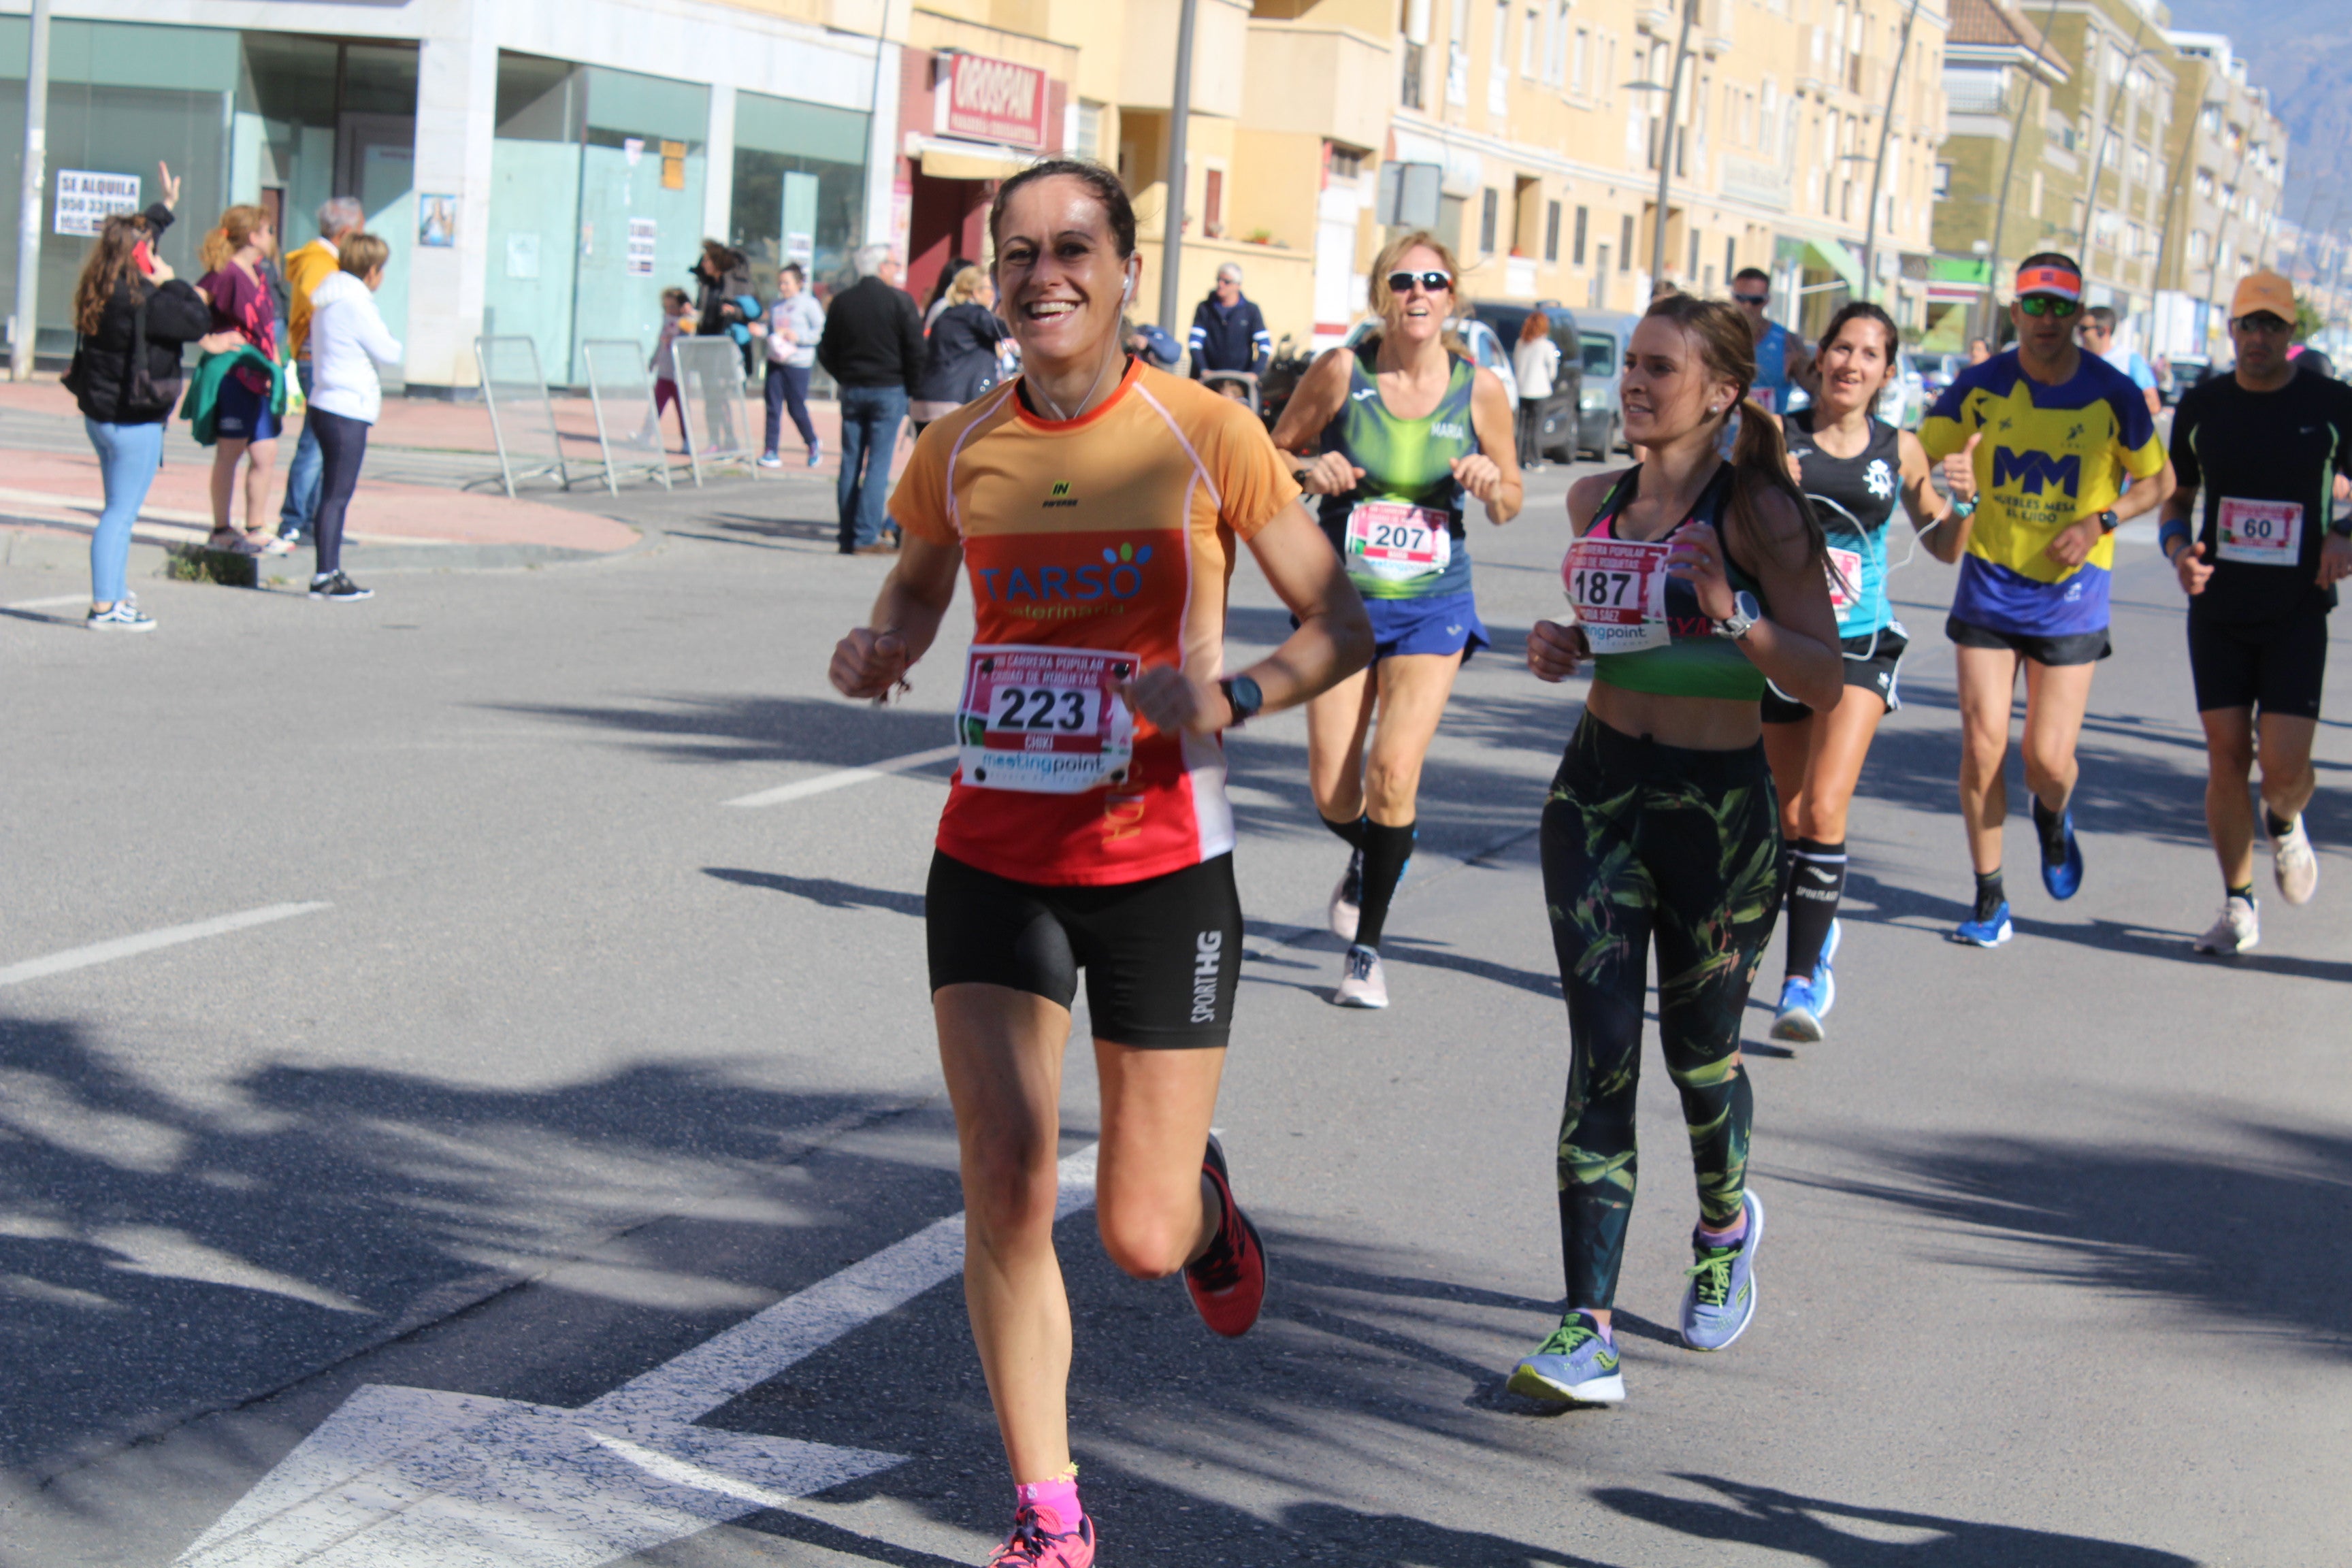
[
  {"x": 1583, "y": 216},
  {"x": 1213, "y": 203},
  {"x": 1625, "y": 243},
  {"x": 1346, "y": 163},
  {"x": 1529, "y": 27},
  {"x": 1089, "y": 137},
  {"x": 1693, "y": 271},
  {"x": 1731, "y": 255},
  {"x": 1499, "y": 76},
  {"x": 1489, "y": 204},
  {"x": 1551, "y": 231},
  {"x": 1576, "y": 81}
]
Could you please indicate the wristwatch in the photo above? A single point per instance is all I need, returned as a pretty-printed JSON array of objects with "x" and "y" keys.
[
  {"x": 2108, "y": 520},
  {"x": 1242, "y": 695},
  {"x": 1745, "y": 613}
]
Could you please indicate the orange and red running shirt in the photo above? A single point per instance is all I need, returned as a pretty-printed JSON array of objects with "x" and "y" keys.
[{"x": 1116, "y": 532}]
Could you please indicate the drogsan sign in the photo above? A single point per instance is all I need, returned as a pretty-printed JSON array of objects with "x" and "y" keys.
[{"x": 992, "y": 100}]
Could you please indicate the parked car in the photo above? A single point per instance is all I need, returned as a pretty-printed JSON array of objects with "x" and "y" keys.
[
  {"x": 1603, "y": 337},
  {"x": 2187, "y": 371},
  {"x": 1937, "y": 372},
  {"x": 1559, "y": 435},
  {"x": 1905, "y": 402}
]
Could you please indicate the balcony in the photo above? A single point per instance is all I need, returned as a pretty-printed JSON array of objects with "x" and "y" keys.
[{"x": 1316, "y": 80}]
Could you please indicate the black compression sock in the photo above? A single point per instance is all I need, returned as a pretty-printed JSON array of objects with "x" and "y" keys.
[
  {"x": 1352, "y": 832},
  {"x": 1816, "y": 883},
  {"x": 1990, "y": 894},
  {"x": 2246, "y": 892},
  {"x": 2052, "y": 825},
  {"x": 1386, "y": 849},
  {"x": 2278, "y": 829}
]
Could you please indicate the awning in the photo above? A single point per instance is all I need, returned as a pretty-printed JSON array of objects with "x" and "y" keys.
[
  {"x": 1838, "y": 259},
  {"x": 971, "y": 160}
]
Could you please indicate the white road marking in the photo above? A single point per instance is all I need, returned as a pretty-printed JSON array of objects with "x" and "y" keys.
[
  {"x": 170, "y": 936},
  {"x": 842, "y": 778},
  {"x": 415, "y": 1477}
]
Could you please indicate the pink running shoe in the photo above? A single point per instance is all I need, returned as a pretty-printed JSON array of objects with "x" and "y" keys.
[{"x": 1031, "y": 1545}]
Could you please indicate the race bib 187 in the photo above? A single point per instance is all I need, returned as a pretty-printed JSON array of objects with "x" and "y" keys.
[
  {"x": 1617, "y": 588},
  {"x": 1048, "y": 721},
  {"x": 2261, "y": 533},
  {"x": 1392, "y": 542}
]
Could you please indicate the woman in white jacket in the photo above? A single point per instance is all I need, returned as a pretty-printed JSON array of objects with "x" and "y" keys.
[{"x": 347, "y": 340}]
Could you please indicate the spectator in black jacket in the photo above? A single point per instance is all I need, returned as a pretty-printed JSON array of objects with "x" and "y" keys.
[
  {"x": 132, "y": 317},
  {"x": 962, "y": 360},
  {"x": 873, "y": 347},
  {"x": 1228, "y": 332}
]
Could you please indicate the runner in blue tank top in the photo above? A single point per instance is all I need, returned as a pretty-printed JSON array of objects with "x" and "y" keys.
[
  {"x": 1397, "y": 438},
  {"x": 1781, "y": 361},
  {"x": 1851, "y": 466}
]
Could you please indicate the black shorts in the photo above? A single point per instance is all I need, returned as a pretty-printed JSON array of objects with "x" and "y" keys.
[
  {"x": 1870, "y": 662},
  {"x": 2276, "y": 665},
  {"x": 2075, "y": 647},
  {"x": 1163, "y": 956}
]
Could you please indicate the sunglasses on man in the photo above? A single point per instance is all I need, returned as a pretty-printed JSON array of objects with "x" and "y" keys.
[
  {"x": 2262, "y": 321},
  {"x": 2049, "y": 305},
  {"x": 1753, "y": 299},
  {"x": 1431, "y": 283}
]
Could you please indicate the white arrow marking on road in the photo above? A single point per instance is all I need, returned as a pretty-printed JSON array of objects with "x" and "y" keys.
[
  {"x": 842, "y": 778},
  {"x": 417, "y": 1477},
  {"x": 170, "y": 936}
]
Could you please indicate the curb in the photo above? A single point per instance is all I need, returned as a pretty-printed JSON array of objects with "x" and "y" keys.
[{"x": 20, "y": 547}]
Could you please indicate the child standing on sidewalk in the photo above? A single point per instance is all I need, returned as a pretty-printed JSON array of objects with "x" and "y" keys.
[{"x": 677, "y": 319}]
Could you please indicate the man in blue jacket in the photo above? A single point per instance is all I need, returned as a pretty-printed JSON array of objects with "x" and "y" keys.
[{"x": 1228, "y": 332}]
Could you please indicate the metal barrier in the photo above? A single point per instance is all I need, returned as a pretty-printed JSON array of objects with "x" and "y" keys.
[
  {"x": 620, "y": 389},
  {"x": 522, "y": 417},
  {"x": 712, "y": 404}
]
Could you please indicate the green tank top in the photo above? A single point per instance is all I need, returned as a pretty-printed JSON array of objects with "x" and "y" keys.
[
  {"x": 1673, "y": 652},
  {"x": 1399, "y": 530}
]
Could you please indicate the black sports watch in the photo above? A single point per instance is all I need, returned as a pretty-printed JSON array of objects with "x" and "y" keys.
[
  {"x": 2108, "y": 520},
  {"x": 1242, "y": 695}
]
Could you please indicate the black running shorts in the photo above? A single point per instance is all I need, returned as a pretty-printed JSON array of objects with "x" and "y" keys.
[
  {"x": 1872, "y": 662},
  {"x": 2075, "y": 647},
  {"x": 1163, "y": 956},
  {"x": 2276, "y": 665}
]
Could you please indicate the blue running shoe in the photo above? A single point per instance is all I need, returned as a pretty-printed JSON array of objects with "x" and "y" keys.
[
  {"x": 1825, "y": 980},
  {"x": 2064, "y": 875},
  {"x": 1986, "y": 932},
  {"x": 1721, "y": 1299},
  {"x": 1799, "y": 1018},
  {"x": 1575, "y": 1366}
]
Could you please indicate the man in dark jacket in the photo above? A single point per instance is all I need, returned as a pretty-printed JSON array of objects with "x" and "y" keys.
[
  {"x": 1228, "y": 332},
  {"x": 873, "y": 347}
]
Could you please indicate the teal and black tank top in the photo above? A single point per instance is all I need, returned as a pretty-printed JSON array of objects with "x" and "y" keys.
[
  {"x": 1400, "y": 529},
  {"x": 1683, "y": 657},
  {"x": 1854, "y": 498}
]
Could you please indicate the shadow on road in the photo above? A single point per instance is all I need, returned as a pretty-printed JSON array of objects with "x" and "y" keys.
[
  {"x": 1844, "y": 1535},
  {"x": 822, "y": 890}
]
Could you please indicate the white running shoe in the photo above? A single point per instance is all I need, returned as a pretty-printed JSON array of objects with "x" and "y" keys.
[
  {"x": 2237, "y": 930},
  {"x": 1347, "y": 899},
  {"x": 2294, "y": 865},
  {"x": 1361, "y": 984}
]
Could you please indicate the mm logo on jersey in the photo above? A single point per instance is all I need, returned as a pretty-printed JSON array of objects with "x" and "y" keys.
[
  {"x": 2031, "y": 470},
  {"x": 1059, "y": 494}
]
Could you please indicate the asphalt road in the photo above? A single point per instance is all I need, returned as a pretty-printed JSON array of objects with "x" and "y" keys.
[{"x": 581, "y": 1066}]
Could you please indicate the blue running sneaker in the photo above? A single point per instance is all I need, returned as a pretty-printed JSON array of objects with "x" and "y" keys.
[
  {"x": 1799, "y": 1018},
  {"x": 1721, "y": 1299},
  {"x": 1825, "y": 980},
  {"x": 1989, "y": 933},
  {"x": 2061, "y": 874},
  {"x": 1575, "y": 1366}
]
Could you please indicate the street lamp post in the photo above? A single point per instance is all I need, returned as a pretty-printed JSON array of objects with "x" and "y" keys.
[
  {"x": 1172, "y": 222},
  {"x": 1878, "y": 166},
  {"x": 1667, "y": 147},
  {"x": 28, "y": 209}
]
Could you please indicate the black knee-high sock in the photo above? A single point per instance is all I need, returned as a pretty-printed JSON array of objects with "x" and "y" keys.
[
  {"x": 1386, "y": 849},
  {"x": 1816, "y": 883},
  {"x": 1351, "y": 832}
]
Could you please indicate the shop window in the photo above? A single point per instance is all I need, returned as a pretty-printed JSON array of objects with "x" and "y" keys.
[{"x": 800, "y": 186}]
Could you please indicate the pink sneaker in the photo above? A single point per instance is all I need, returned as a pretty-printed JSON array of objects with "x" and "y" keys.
[{"x": 1031, "y": 1545}]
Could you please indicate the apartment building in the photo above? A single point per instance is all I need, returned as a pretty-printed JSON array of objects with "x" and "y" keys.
[
  {"x": 2228, "y": 169},
  {"x": 2011, "y": 177},
  {"x": 1550, "y": 122}
]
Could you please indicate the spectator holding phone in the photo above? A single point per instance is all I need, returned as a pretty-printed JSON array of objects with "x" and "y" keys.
[
  {"x": 132, "y": 317},
  {"x": 795, "y": 323}
]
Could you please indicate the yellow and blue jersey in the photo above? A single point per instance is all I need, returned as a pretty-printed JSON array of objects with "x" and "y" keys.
[{"x": 2051, "y": 456}]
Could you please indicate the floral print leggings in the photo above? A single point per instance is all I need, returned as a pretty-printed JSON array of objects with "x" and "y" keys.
[{"x": 1646, "y": 843}]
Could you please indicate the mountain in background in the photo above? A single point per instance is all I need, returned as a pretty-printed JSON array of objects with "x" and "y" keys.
[{"x": 2301, "y": 50}]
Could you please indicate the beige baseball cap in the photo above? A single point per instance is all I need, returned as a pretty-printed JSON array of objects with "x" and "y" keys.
[{"x": 2259, "y": 291}]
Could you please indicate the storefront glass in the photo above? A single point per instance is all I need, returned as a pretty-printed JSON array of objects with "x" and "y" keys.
[
  {"x": 800, "y": 186},
  {"x": 596, "y": 205}
]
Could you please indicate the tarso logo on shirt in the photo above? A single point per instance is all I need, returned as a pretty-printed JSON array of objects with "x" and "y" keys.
[
  {"x": 2030, "y": 471},
  {"x": 1059, "y": 494},
  {"x": 1060, "y": 593}
]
